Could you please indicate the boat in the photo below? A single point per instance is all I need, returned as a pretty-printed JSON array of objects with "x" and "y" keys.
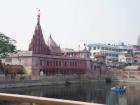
[{"x": 119, "y": 89}]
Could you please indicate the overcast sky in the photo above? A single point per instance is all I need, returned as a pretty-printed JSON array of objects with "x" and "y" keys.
[{"x": 72, "y": 22}]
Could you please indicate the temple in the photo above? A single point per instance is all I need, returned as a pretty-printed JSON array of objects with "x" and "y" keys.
[{"x": 48, "y": 57}]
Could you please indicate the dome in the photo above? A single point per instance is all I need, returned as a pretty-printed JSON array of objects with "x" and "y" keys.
[
  {"x": 54, "y": 48},
  {"x": 51, "y": 42}
]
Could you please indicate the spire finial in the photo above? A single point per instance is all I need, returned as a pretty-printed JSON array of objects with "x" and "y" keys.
[
  {"x": 50, "y": 36},
  {"x": 84, "y": 44},
  {"x": 38, "y": 17}
]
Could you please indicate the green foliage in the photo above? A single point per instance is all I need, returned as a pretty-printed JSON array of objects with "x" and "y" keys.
[{"x": 6, "y": 45}]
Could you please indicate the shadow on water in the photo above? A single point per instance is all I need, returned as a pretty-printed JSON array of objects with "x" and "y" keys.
[{"x": 98, "y": 92}]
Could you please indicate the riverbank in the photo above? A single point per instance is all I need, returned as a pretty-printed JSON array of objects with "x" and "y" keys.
[
  {"x": 30, "y": 83},
  {"x": 39, "y": 81},
  {"x": 128, "y": 80},
  {"x": 58, "y": 80}
]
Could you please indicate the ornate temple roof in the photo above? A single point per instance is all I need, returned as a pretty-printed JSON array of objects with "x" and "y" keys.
[
  {"x": 53, "y": 47},
  {"x": 37, "y": 44},
  {"x": 84, "y": 48},
  {"x": 51, "y": 42}
]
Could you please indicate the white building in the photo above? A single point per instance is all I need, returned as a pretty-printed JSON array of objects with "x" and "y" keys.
[
  {"x": 19, "y": 58},
  {"x": 110, "y": 51},
  {"x": 125, "y": 58}
]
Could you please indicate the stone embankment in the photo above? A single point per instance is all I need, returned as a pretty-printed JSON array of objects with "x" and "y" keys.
[
  {"x": 29, "y": 83},
  {"x": 51, "y": 80},
  {"x": 55, "y": 80}
]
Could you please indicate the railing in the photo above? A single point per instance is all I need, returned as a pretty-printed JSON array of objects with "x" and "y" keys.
[{"x": 39, "y": 100}]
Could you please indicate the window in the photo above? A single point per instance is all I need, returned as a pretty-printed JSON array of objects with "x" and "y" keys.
[
  {"x": 106, "y": 48},
  {"x": 98, "y": 47},
  {"x": 50, "y": 63},
  {"x": 75, "y": 64},
  {"x": 56, "y": 63},
  {"x": 59, "y": 63},
  {"x": 70, "y": 63},
  {"x": 8, "y": 60},
  {"x": 41, "y": 62},
  {"x": 65, "y": 64},
  {"x": 53, "y": 63}
]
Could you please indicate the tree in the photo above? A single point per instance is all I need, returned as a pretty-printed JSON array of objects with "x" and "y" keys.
[{"x": 7, "y": 45}]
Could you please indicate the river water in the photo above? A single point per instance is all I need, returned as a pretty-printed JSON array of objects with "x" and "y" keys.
[{"x": 97, "y": 92}]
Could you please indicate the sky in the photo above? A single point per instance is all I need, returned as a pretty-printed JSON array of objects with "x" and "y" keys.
[{"x": 71, "y": 22}]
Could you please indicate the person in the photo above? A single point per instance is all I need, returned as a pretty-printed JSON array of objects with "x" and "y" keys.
[{"x": 41, "y": 73}]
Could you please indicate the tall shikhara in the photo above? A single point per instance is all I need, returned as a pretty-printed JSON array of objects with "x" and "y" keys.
[{"x": 37, "y": 44}]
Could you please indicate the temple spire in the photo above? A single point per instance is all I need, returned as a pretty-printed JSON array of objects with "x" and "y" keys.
[
  {"x": 50, "y": 36},
  {"x": 38, "y": 17},
  {"x": 37, "y": 44}
]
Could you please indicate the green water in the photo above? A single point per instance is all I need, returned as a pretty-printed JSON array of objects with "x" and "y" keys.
[{"x": 98, "y": 92}]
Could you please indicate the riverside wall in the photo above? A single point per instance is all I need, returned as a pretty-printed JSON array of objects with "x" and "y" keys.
[
  {"x": 16, "y": 82},
  {"x": 114, "y": 74}
]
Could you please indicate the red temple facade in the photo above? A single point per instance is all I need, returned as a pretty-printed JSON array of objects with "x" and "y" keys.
[{"x": 49, "y": 58}]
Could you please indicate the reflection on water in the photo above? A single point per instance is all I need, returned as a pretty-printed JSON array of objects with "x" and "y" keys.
[{"x": 98, "y": 92}]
